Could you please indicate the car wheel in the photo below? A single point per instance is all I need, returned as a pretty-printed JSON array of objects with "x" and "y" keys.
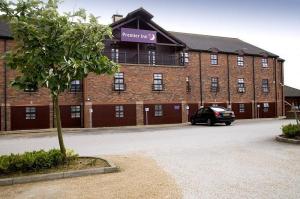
[
  {"x": 193, "y": 122},
  {"x": 228, "y": 123},
  {"x": 209, "y": 122}
]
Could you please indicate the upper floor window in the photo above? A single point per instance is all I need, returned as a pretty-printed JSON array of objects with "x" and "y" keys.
[
  {"x": 214, "y": 59},
  {"x": 152, "y": 57},
  {"x": 188, "y": 84},
  {"x": 115, "y": 55},
  {"x": 240, "y": 61},
  {"x": 241, "y": 85},
  {"x": 214, "y": 87},
  {"x": 157, "y": 82},
  {"x": 75, "y": 86},
  {"x": 264, "y": 62},
  {"x": 119, "y": 111},
  {"x": 75, "y": 111},
  {"x": 30, "y": 113},
  {"x": 241, "y": 108},
  {"x": 184, "y": 58},
  {"x": 119, "y": 82},
  {"x": 158, "y": 111},
  {"x": 30, "y": 88},
  {"x": 265, "y": 85}
]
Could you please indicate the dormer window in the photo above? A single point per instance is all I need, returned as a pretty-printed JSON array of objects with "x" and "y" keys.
[{"x": 214, "y": 59}]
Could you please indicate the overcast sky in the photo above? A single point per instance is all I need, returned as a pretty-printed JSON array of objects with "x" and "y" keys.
[{"x": 273, "y": 25}]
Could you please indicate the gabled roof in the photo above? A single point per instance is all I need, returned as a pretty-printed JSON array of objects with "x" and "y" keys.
[
  {"x": 291, "y": 92},
  {"x": 223, "y": 44},
  {"x": 144, "y": 15}
]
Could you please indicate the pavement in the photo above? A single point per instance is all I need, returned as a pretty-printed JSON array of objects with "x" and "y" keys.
[{"x": 238, "y": 161}]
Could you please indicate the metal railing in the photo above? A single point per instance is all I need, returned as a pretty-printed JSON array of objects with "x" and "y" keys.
[{"x": 145, "y": 58}]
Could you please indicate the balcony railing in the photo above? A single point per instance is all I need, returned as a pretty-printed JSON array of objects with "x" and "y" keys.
[{"x": 145, "y": 58}]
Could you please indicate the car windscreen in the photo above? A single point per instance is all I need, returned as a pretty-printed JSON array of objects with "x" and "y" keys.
[{"x": 218, "y": 109}]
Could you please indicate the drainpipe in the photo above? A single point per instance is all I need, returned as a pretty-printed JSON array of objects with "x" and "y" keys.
[
  {"x": 228, "y": 82},
  {"x": 200, "y": 73},
  {"x": 253, "y": 82},
  {"x": 5, "y": 89},
  {"x": 83, "y": 102},
  {"x": 275, "y": 66}
]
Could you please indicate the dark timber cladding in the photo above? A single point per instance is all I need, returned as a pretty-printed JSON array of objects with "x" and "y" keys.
[
  {"x": 113, "y": 115},
  {"x": 168, "y": 114},
  {"x": 164, "y": 78},
  {"x": 22, "y": 119}
]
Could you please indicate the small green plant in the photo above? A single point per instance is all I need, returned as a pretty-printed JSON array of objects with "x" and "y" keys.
[
  {"x": 33, "y": 161},
  {"x": 291, "y": 130}
]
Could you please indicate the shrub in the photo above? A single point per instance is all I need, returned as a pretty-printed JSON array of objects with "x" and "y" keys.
[
  {"x": 33, "y": 161},
  {"x": 291, "y": 130}
]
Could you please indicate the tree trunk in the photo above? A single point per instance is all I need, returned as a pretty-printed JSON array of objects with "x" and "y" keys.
[{"x": 58, "y": 126}]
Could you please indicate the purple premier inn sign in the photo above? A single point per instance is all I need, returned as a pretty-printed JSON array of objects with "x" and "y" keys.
[{"x": 138, "y": 35}]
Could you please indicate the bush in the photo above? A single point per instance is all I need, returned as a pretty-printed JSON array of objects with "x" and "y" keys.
[
  {"x": 33, "y": 161},
  {"x": 291, "y": 130}
]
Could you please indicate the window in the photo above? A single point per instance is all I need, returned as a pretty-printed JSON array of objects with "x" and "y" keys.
[
  {"x": 240, "y": 61},
  {"x": 75, "y": 111},
  {"x": 157, "y": 82},
  {"x": 241, "y": 108},
  {"x": 30, "y": 113},
  {"x": 214, "y": 84},
  {"x": 30, "y": 88},
  {"x": 151, "y": 57},
  {"x": 214, "y": 59},
  {"x": 264, "y": 62},
  {"x": 119, "y": 82},
  {"x": 266, "y": 107},
  {"x": 115, "y": 55},
  {"x": 75, "y": 86},
  {"x": 158, "y": 111},
  {"x": 265, "y": 85},
  {"x": 188, "y": 85},
  {"x": 119, "y": 111},
  {"x": 241, "y": 85},
  {"x": 184, "y": 58}
]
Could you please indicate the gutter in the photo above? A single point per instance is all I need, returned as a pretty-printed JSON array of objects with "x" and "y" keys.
[
  {"x": 200, "y": 71},
  {"x": 228, "y": 82}
]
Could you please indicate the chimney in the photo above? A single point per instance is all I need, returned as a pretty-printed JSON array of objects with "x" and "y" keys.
[{"x": 116, "y": 17}]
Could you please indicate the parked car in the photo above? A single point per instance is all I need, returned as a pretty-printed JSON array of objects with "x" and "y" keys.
[{"x": 212, "y": 115}]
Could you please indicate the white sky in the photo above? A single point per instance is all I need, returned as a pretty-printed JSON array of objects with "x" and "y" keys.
[{"x": 270, "y": 25}]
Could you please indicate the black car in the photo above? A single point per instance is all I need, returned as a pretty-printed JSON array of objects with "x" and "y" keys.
[{"x": 212, "y": 115}]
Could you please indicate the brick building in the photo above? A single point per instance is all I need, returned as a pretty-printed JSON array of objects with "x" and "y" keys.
[{"x": 164, "y": 77}]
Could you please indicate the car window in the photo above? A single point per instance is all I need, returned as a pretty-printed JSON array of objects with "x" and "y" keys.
[
  {"x": 218, "y": 109},
  {"x": 200, "y": 111},
  {"x": 206, "y": 110}
]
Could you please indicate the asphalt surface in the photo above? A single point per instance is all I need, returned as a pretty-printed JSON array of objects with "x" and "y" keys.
[{"x": 238, "y": 161}]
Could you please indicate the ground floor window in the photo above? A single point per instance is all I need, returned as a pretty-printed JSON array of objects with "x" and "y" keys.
[
  {"x": 266, "y": 107},
  {"x": 241, "y": 108},
  {"x": 119, "y": 111},
  {"x": 158, "y": 111},
  {"x": 30, "y": 113},
  {"x": 75, "y": 111}
]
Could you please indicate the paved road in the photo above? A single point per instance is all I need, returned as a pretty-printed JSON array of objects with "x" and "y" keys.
[{"x": 239, "y": 161}]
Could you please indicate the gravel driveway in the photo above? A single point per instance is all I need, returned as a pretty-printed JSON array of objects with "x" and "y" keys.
[{"x": 239, "y": 161}]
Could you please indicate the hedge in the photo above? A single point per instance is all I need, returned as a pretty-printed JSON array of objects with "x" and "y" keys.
[
  {"x": 33, "y": 161},
  {"x": 291, "y": 130}
]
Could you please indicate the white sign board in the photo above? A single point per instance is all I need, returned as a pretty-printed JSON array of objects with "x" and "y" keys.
[{"x": 146, "y": 109}]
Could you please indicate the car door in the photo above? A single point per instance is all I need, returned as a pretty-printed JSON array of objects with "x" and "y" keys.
[
  {"x": 206, "y": 113},
  {"x": 198, "y": 115}
]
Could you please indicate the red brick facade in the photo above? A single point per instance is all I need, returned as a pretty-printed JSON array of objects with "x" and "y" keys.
[{"x": 187, "y": 85}]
